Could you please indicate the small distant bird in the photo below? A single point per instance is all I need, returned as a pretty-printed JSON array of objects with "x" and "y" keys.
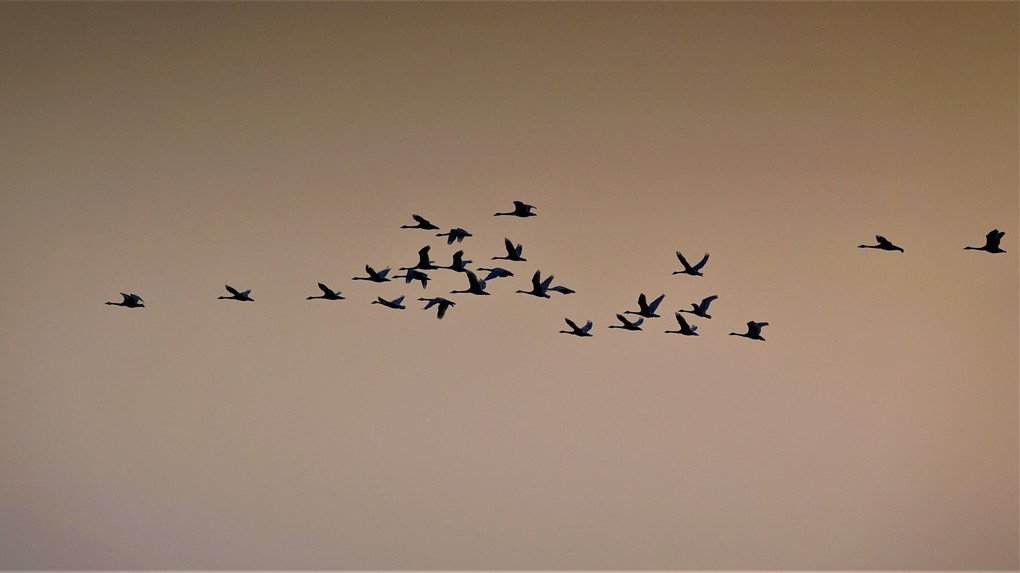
[
  {"x": 442, "y": 302},
  {"x": 520, "y": 210},
  {"x": 496, "y": 273},
  {"x": 991, "y": 242},
  {"x": 414, "y": 275},
  {"x": 688, "y": 269},
  {"x": 457, "y": 234},
  {"x": 685, "y": 329},
  {"x": 130, "y": 301},
  {"x": 327, "y": 294},
  {"x": 475, "y": 286},
  {"x": 234, "y": 295},
  {"x": 376, "y": 277},
  {"x": 458, "y": 263},
  {"x": 395, "y": 303},
  {"x": 627, "y": 325},
  {"x": 701, "y": 309},
  {"x": 513, "y": 253},
  {"x": 423, "y": 263},
  {"x": 538, "y": 286},
  {"x": 422, "y": 224},
  {"x": 575, "y": 330},
  {"x": 753, "y": 330},
  {"x": 644, "y": 309},
  {"x": 883, "y": 244}
]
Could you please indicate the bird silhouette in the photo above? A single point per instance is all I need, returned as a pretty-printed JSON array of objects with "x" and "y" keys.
[
  {"x": 395, "y": 303},
  {"x": 457, "y": 234},
  {"x": 422, "y": 224},
  {"x": 458, "y": 263},
  {"x": 513, "y": 253},
  {"x": 701, "y": 309},
  {"x": 235, "y": 295},
  {"x": 883, "y": 244},
  {"x": 423, "y": 264},
  {"x": 130, "y": 301},
  {"x": 327, "y": 294},
  {"x": 496, "y": 273},
  {"x": 562, "y": 289},
  {"x": 376, "y": 277},
  {"x": 627, "y": 325},
  {"x": 688, "y": 269},
  {"x": 991, "y": 242},
  {"x": 753, "y": 330},
  {"x": 441, "y": 302},
  {"x": 575, "y": 330},
  {"x": 475, "y": 286},
  {"x": 685, "y": 329},
  {"x": 538, "y": 286},
  {"x": 646, "y": 310},
  {"x": 414, "y": 275},
  {"x": 520, "y": 210}
]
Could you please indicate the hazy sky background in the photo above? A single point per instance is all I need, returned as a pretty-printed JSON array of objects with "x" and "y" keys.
[{"x": 167, "y": 149}]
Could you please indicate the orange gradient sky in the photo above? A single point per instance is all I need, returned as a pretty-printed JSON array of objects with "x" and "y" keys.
[{"x": 166, "y": 149}]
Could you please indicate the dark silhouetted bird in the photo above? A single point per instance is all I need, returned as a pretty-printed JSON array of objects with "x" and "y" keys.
[
  {"x": 520, "y": 210},
  {"x": 538, "y": 286},
  {"x": 130, "y": 301},
  {"x": 991, "y": 242},
  {"x": 442, "y": 302},
  {"x": 575, "y": 330},
  {"x": 646, "y": 310},
  {"x": 457, "y": 234},
  {"x": 422, "y": 224},
  {"x": 376, "y": 277},
  {"x": 685, "y": 329},
  {"x": 458, "y": 263},
  {"x": 883, "y": 244},
  {"x": 513, "y": 253},
  {"x": 496, "y": 273},
  {"x": 327, "y": 294},
  {"x": 414, "y": 275},
  {"x": 562, "y": 289},
  {"x": 701, "y": 309},
  {"x": 627, "y": 325},
  {"x": 753, "y": 330},
  {"x": 235, "y": 295},
  {"x": 688, "y": 269},
  {"x": 423, "y": 264},
  {"x": 395, "y": 303},
  {"x": 475, "y": 286}
]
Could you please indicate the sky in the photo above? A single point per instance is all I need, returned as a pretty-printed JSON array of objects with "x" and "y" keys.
[{"x": 168, "y": 149}]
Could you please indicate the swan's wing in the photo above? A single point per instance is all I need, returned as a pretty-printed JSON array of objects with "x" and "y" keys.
[
  {"x": 398, "y": 300},
  {"x": 655, "y": 303},
  {"x": 421, "y": 219},
  {"x": 509, "y": 246},
  {"x": 325, "y": 289},
  {"x": 571, "y": 324},
  {"x": 518, "y": 249},
  {"x": 638, "y": 322},
  {"x": 382, "y": 274},
  {"x": 136, "y": 298},
  {"x": 246, "y": 293},
  {"x": 759, "y": 325},
  {"x": 623, "y": 319},
  {"x": 642, "y": 302},
  {"x": 442, "y": 308},
  {"x": 683, "y": 261},
  {"x": 586, "y": 327},
  {"x": 536, "y": 281},
  {"x": 232, "y": 290},
  {"x": 679, "y": 318},
  {"x": 707, "y": 301},
  {"x": 702, "y": 262},
  {"x": 545, "y": 284},
  {"x": 432, "y": 302}
]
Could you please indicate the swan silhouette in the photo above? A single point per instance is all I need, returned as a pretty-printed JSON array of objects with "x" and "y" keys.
[
  {"x": 685, "y": 329},
  {"x": 414, "y": 275},
  {"x": 701, "y": 309},
  {"x": 327, "y": 294},
  {"x": 688, "y": 269},
  {"x": 513, "y": 253},
  {"x": 538, "y": 286},
  {"x": 627, "y": 325},
  {"x": 235, "y": 295},
  {"x": 646, "y": 310},
  {"x": 423, "y": 264},
  {"x": 457, "y": 234},
  {"x": 883, "y": 244},
  {"x": 395, "y": 303},
  {"x": 575, "y": 330},
  {"x": 753, "y": 330},
  {"x": 376, "y": 277},
  {"x": 422, "y": 224},
  {"x": 458, "y": 262},
  {"x": 496, "y": 273},
  {"x": 991, "y": 242},
  {"x": 442, "y": 303},
  {"x": 475, "y": 286},
  {"x": 520, "y": 210},
  {"x": 130, "y": 301}
]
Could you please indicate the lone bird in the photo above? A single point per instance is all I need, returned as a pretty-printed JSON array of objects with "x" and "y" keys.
[
  {"x": 685, "y": 329},
  {"x": 423, "y": 263},
  {"x": 520, "y": 210},
  {"x": 458, "y": 262},
  {"x": 883, "y": 244},
  {"x": 376, "y": 277},
  {"x": 513, "y": 253},
  {"x": 414, "y": 275},
  {"x": 538, "y": 286},
  {"x": 327, "y": 294},
  {"x": 575, "y": 330},
  {"x": 475, "y": 286},
  {"x": 753, "y": 330},
  {"x": 701, "y": 309},
  {"x": 496, "y": 273},
  {"x": 627, "y": 325},
  {"x": 457, "y": 234},
  {"x": 688, "y": 269},
  {"x": 234, "y": 295},
  {"x": 991, "y": 242},
  {"x": 441, "y": 302},
  {"x": 130, "y": 301},
  {"x": 646, "y": 310},
  {"x": 395, "y": 303},
  {"x": 423, "y": 223}
]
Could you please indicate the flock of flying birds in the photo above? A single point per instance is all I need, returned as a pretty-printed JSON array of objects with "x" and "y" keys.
[{"x": 539, "y": 287}]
